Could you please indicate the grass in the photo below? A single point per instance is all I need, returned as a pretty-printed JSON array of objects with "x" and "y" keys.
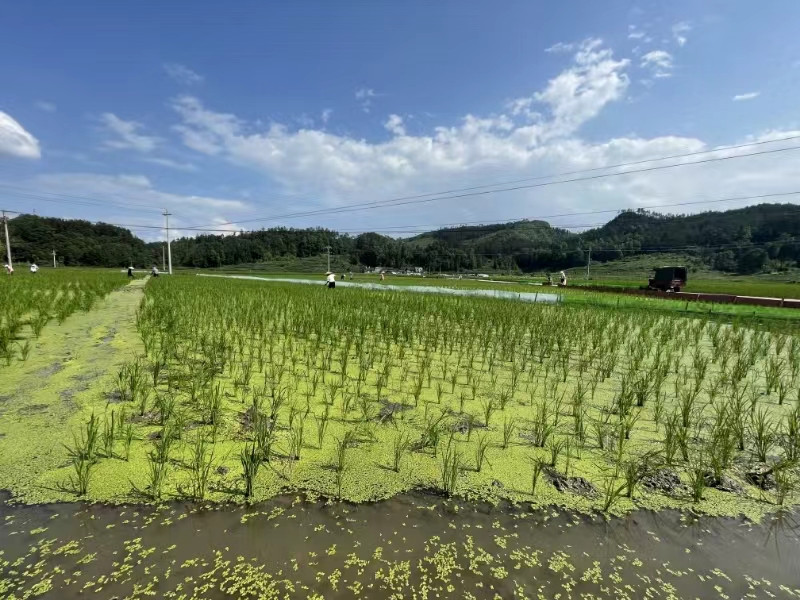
[{"x": 239, "y": 390}]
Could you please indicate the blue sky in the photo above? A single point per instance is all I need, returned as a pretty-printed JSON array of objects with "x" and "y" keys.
[{"x": 228, "y": 112}]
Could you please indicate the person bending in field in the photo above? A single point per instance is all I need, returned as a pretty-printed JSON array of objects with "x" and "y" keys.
[
  {"x": 34, "y": 268},
  {"x": 330, "y": 280},
  {"x": 154, "y": 271},
  {"x": 130, "y": 272},
  {"x": 9, "y": 269},
  {"x": 562, "y": 279}
]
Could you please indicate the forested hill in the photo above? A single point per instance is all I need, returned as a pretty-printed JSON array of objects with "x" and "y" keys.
[
  {"x": 747, "y": 240},
  {"x": 76, "y": 242}
]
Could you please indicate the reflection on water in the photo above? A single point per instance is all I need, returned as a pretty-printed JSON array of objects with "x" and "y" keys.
[
  {"x": 522, "y": 296},
  {"x": 411, "y": 546}
]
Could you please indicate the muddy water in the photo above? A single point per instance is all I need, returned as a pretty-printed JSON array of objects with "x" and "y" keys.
[
  {"x": 423, "y": 289},
  {"x": 411, "y": 546}
]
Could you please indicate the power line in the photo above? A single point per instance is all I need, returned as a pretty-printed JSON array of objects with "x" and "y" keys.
[
  {"x": 470, "y": 229},
  {"x": 399, "y": 228},
  {"x": 57, "y": 199},
  {"x": 595, "y": 212},
  {"x": 406, "y": 200}
]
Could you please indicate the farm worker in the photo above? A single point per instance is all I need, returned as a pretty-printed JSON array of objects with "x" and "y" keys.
[
  {"x": 130, "y": 271},
  {"x": 549, "y": 279},
  {"x": 351, "y": 274},
  {"x": 154, "y": 271},
  {"x": 330, "y": 280},
  {"x": 34, "y": 268},
  {"x": 382, "y": 276},
  {"x": 563, "y": 278},
  {"x": 9, "y": 269}
]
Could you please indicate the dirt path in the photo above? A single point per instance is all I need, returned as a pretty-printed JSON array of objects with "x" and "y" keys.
[{"x": 70, "y": 372}]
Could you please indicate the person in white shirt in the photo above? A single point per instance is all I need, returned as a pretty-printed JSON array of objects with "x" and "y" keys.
[
  {"x": 154, "y": 271},
  {"x": 330, "y": 279},
  {"x": 9, "y": 269},
  {"x": 563, "y": 279},
  {"x": 34, "y": 267}
]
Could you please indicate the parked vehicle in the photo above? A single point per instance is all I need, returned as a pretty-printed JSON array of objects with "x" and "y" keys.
[{"x": 668, "y": 279}]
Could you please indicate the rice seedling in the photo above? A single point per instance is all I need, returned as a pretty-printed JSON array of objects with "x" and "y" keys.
[
  {"x": 401, "y": 443},
  {"x": 537, "y": 466},
  {"x": 480, "y": 452},
  {"x": 763, "y": 433},
  {"x": 509, "y": 427},
  {"x": 200, "y": 465},
  {"x": 250, "y": 458},
  {"x": 449, "y": 469},
  {"x": 109, "y": 435}
]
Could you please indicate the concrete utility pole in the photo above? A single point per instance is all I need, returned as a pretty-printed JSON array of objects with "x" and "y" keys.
[
  {"x": 8, "y": 243},
  {"x": 589, "y": 262},
  {"x": 54, "y": 259},
  {"x": 169, "y": 249},
  {"x": 164, "y": 258},
  {"x": 328, "y": 248}
]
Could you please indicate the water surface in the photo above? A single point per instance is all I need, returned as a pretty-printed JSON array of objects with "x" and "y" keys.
[
  {"x": 413, "y": 545},
  {"x": 423, "y": 289}
]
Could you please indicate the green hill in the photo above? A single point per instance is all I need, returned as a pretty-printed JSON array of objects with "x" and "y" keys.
[{"x": 754, "y": 239}]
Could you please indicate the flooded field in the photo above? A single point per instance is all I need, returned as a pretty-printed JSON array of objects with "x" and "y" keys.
[
  {"x": 423, "y": 289},
  {"x": 412, "y": 546}
]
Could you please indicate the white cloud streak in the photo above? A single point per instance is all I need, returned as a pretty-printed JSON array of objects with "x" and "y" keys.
[
  {"x": 365, "y": 96},
  {"x": 46, "y": 106},
  {"x": 170, "y": 164},
  {"x": 182, "y": 74},
  {"x": 15, "y": 141},
  {"x": 126, "y": 135},
  {"x": 680, "y": 31},
  {"x": 659, "y": 62},
  {"x": 747, "y": 96}
]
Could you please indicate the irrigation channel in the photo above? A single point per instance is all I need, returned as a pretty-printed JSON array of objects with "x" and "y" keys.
[
  {"x": 523, "y": 296},
  {"x": 414, "y": 545}
]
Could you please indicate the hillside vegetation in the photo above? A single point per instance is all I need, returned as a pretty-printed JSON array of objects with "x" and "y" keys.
[{"x": 750, "y": 240}]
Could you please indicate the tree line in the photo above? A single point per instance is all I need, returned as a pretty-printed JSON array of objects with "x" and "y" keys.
[{"x": 747, "y": 240}]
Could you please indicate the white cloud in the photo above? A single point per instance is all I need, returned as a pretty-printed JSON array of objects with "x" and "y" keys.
[
  {"x": 15, "y": 140},
  {"x": 659, "y": 62},
  {"x": 182, "y": 74},
  {"x": 747, "y": 96},
  {"x": 171, "y": 164},
  {"x": 46, "y": 106},
  {"x": 365, "y": 96},
  {"x": 560, "y": 47},
  {"x": 634, "y": 33},
  {"x": 145, "y": 199},
  {"x": 318, "y": 169},
  {"x": 679, "y": 31},
  {"x": 394, "y": 124},
  {"x": 581, "y": 91},
  {"x": 326, "y": 115},
  {"x": 126, "y": 135}
]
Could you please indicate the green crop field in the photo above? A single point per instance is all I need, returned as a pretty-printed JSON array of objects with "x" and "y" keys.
[
  {"x": 30, "y": 302},
  {"x": 239, "y": 390}
]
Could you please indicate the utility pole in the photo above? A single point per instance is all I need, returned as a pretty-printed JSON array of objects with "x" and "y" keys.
[
  {"x": 8, "y": 243},
  {"x": 328, "y": 248},
  {"x": 589, "y": 262},
  {"x": 169, "y": 249},
  {"x": 164, "y": 257},
  {"x": 54, "y": 259}
]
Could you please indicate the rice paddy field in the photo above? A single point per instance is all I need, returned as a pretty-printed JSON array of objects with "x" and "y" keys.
[{"x": 449, "y": 446}]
